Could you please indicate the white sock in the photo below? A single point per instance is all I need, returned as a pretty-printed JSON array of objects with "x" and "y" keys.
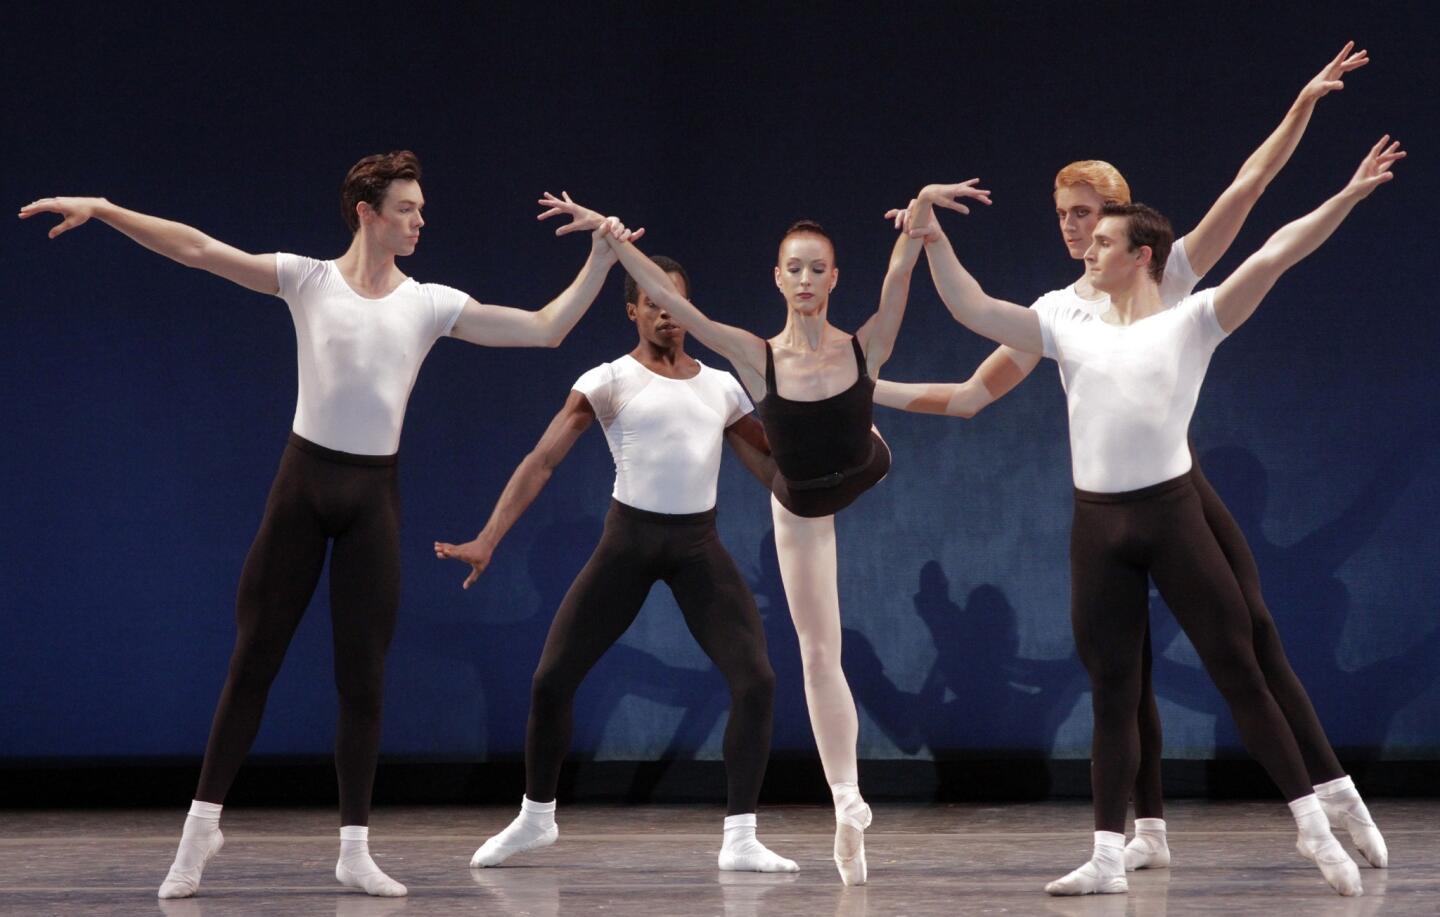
[
  {"x": 357, "y": 870},
  {"x": 199, "y": 841},
  {"x": 852, "y": 817},
  {"x": 1345, "y": 809},
  {"x": 1319, "y": 846},
  {"x": 1148, "y": 849},
  {"x": 743, "y": 852},
  {"x": 532, "y": 829},
  {"x": 1103, "y": 874}
]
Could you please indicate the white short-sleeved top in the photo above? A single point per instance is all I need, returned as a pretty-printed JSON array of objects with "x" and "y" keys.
[
  {"x": 1175, "y": 284},
  {"x": 665, "y": 434},
  {"x": 1130, "y": 389},
  {"x": 359, "y": 357}
]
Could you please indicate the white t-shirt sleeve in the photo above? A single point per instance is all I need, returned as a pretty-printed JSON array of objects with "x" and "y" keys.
[
  {"x": 291, "y": 272},
  {"x": 738, "y": 401},
  {"x": 448, "y": 303},
  {"x": 1179, "y": 278},
  {"x": 1046, "y": 311},
  {"x": 1199, "y": 309},
  {"x": 598, "y": 387}
]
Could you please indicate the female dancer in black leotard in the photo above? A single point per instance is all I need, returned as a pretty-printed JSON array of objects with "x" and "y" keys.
[
  {"x": 811, "y": 366},
  {"x": 1081, "y": 189}
]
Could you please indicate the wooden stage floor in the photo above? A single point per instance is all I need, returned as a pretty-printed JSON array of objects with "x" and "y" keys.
[{"x": 1230, "y": 858}]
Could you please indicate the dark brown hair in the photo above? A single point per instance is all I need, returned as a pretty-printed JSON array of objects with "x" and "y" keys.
[
  {"x": 367, "y": 180},
  {"x": 1145, "y": 226}
]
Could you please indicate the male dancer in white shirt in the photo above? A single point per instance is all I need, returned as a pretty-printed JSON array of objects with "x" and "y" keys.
[
  {"x": 665, "y": 416},
  {"x": 1132, "y": 375},
  {"x": 362, "y": 329}
]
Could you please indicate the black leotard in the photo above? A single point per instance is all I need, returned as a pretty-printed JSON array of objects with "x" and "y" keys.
[{"x": 827, "y": 452}]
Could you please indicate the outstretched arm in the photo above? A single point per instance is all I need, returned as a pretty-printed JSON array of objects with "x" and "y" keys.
[
  {"x": 745, "y": 351},
  {"x": 956, "y": 399},
  {"x": 747, "y": 437},
  {"x": 1207, "y": 243},
  {"x": 176, "y": 241},
  {"x": 501, "y": 326},
  {"x": 1000, "y": 321},
  {"x": 1237, "y": 298},
  {"x": 523, "y": 487}
]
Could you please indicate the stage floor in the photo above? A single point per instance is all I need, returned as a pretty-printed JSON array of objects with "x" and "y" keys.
[{"x": 1230, "y": 858}]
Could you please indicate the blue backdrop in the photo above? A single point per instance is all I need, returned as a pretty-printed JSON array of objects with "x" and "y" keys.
[{"x": 145, "y": 406}]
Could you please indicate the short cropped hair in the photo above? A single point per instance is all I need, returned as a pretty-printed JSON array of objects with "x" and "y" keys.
[
  {"x": 669, "y": 266},
  {"x": 1145, "y": 226},
  {"x": 1098, "y": 174},
  {"x": 368, "y": 179}
]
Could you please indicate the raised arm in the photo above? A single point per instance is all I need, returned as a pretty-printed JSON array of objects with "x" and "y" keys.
[
  {"x": 1000, "y": 321},
  {"x": 747, "y": 437},
  {"x": 1237, "y": 298},
  {"x": 1207, "y": 243},
  {"x": 502, "y": 326},
  {"x": 523, "y": 487},
  {"x": 745, "y": 351},
  {"x": 176, "y": 241},
  {"x": 877, "y": 335}
]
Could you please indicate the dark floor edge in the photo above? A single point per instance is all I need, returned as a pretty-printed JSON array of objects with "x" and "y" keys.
[{"x": 972, "y": 778}]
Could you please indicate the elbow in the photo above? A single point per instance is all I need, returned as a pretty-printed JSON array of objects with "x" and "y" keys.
[
  {"x": 540, "y": 464},
  {"x": 552, "y": 335},
  {"x": 192, "y": 254},
  {"x": 1249, "y": 185}
]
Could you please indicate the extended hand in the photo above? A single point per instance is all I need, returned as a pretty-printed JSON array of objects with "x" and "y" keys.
[
  {"x": 1374, "y": 169},
  {"x": 901, "y": 217},
  {"x": 475, "y": 553},
  {"x": 1328, "y": 80},
  {"x": 75, "y": 210},
  {"x": 949, "y": 196},
  {"x": 584, "y": 218}
]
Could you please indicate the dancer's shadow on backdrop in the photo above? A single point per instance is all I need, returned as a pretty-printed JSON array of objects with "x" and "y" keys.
[
  {"x": 980, "y": 699},
  {"x": 1311, "y": 605}
]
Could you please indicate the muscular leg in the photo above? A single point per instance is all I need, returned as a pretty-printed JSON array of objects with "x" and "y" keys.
[
  {"x": 721, "y": 614},
  {"x": 364, "y": 599},
  {"x": 1285, "y": 686},
  {"x": 806, "y": 551},
  {"x": 599, "y": 607},
  {"x": 278, "y": 578},
  {"x": 276, "y": 584},
  {"x": 597, "y": 610},
  {"x": 1110, "y": 616},
  {"x": 1149, "y": 797},
  {"x": 1193, "y": 575}
]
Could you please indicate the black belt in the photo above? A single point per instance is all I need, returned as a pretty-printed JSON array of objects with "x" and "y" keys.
[{"x": 834, "y": 478}]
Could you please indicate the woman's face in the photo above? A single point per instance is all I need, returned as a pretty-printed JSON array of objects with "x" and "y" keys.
[
  {"x": 806, "y": 272},
  {"x": 1078, "y": 209}
]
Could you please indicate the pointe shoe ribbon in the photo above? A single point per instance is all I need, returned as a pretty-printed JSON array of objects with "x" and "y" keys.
[{"x": 853, "y": 869}]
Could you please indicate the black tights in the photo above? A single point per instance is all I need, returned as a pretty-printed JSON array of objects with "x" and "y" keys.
[
  {"x": 637, "y": 549},
  {"x": 1289, "y": 693},
  {"x": 318, "y": 495},
  {"x": 1117, "y": 543}
]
